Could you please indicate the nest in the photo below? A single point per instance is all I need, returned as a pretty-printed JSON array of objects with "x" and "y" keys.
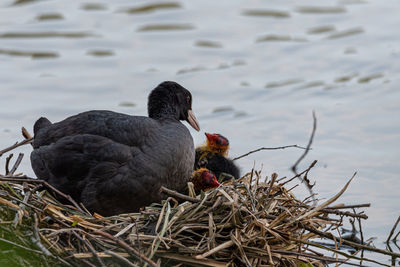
[{"x": 252, "y": 221}]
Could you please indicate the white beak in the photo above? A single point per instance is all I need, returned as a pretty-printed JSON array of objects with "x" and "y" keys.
[{"x": 193, "y": 121}]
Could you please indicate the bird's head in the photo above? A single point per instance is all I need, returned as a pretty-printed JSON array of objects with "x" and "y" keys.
[
  {"x": 169, "y": 99},
  {"x": 203, "y": 179},
  {"x": 217, "y": 143}
]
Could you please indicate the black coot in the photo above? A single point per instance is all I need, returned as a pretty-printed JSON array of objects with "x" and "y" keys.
[{"x": 115, "y": 163}]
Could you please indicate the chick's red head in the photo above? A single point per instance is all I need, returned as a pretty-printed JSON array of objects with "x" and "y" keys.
[
  {"x": 217, "y": 143},
  {"x": 203, "y": 179}
]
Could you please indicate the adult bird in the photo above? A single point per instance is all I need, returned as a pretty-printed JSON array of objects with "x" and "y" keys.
[
  {"x": 116, "y": 163},
  {"x": 213, "y": 156}
]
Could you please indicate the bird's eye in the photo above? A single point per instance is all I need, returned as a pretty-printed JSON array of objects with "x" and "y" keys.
[{"x": 188, "y": 99}]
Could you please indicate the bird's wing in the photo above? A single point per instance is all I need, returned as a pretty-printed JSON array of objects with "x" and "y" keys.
[
  {"x": 100, "y": 173},
  {"x": 67, "y": 163},
  {"x": 121, "y": 128}
]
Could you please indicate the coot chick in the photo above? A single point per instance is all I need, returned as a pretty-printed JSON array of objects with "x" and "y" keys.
[
  {"x": 213, "y": 156},
  {"x": 116, "y": 163},
  {"x": 203, "y": 179}
]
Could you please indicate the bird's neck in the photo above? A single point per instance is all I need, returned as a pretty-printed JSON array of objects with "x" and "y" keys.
[
  {"x": 164, "y": 111},
  {"x": 221, "y": 150}
]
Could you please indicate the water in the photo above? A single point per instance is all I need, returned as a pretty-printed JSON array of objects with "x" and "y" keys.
[{"x": 256, "y": 69}]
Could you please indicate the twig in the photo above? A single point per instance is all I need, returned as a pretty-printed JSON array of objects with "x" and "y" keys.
[
  {"x": 16, "y": 164},
  {"x": 127, "y": 247},
  {"x": 395, "y": 237},
  {"x": 124, "y": 260},
  {"x": 25, "y": 133},
  {"x": 337, "y": 212},
  {"x": 353, "y": 255},
  {"x": 337, "y": 251},
  {"x": 8, "y": 163},
  {"x": 90, "y": 247},
  {"x": 24, "y": 142},
  {"x": 36, "y": 238},
  {"x": 216, "y": 249},
  {"x": 349, "y": 243},
  {"x": 271, "y": 183},
  {"x": 294, "y": 167},
  {"x": 345, "y": 213},
  {"x": 157, "y": 241},
  {"x": 20, "y": 213},
  {"x": 324, "y": 258},
  {"x": 393, "y": 229},
  {"x": 25, "y": 203},
  {"x": 20, "y": 246},
  {"x": 33, "y": 180},
  {"x": 267, "y": 148},
  {"x": 184, "y": 197},
  {"x": 366, "y": 205},
  {"x": 88, "y": 263},
  {"x": 326, "y": 203},
  {"x": 299, "y": 174},
  {"x": 361, "y": 234}
]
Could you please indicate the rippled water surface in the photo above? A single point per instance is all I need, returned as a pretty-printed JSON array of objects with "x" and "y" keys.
[{"x": 256, "y": 69}]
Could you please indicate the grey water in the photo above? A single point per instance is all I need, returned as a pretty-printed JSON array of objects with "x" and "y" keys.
[{"x": 256, "y": 69}]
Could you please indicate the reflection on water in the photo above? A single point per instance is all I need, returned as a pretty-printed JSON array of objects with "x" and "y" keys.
[
  {"x": 165, "y": 27},
  {"x": 93, "y": 6},
  {"x": 350, "y": 50},
  {"x": 49, "y": 16},
  {"x": 152, "y": 7},
  {"x": 256, "y": 71},
  {"x": 346, "y": 78},
  {"x": 282, "y": 83},
  {"x": 321, "y": 9},
  {"x": 192, "y": 69},
  {"x": 238, "y": 62},
  {"x": 28, "y": 54},
  {"x": 46, "y": 34},
  {"x": 100, "y": 53},
  {"x": 240, "y": 114},
  {"x": 311, "y": 84},
  {"x": 19, "y": 2},
  {"x": 321, "y": 29},
  {"x": 275, "y": 37},
  {"x": 367, "y": 79},
  {"x": 266, "y": 13},
  {"x": 346, "y": 33},
  {"x": 221, "y": 66},
  {"x": 211, "y": 44},
  {"x": 127, "y": 104},
  {"x": 351, "y": 2},
  {"x": 222, "y": 109}
]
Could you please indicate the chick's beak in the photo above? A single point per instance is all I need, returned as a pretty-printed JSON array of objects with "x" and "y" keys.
[
  {"x": 215, "y": 183},
  {"x": 191, "y": 119}
]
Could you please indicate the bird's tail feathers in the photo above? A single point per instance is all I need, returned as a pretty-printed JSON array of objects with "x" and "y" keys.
[{"x": 41, "y": 123}]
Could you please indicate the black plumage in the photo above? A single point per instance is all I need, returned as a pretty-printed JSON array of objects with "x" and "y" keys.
[
  {"x": 116, "y": 163},
  {"x": 219, "y": 164},
  {"x": 213, "y": 156}
]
